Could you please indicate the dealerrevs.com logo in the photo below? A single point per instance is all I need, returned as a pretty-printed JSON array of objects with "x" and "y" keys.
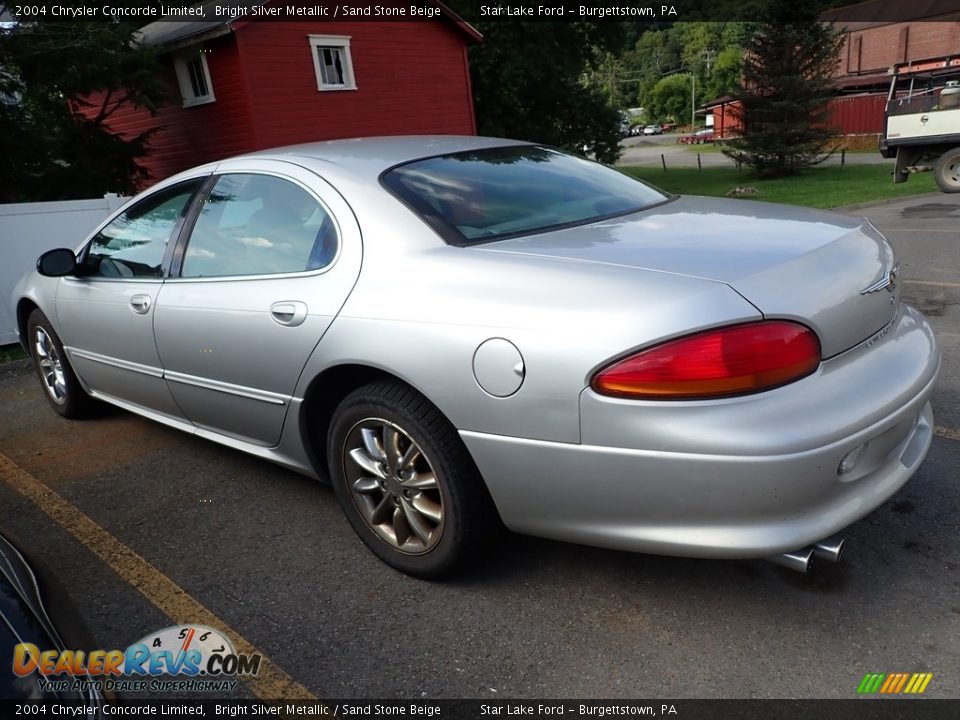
[{"x": 201, "y": 658}]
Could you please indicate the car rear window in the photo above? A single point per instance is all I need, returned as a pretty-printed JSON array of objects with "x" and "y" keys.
[{"x": 496, "y": 193}]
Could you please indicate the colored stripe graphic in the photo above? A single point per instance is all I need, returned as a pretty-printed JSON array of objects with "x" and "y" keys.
[
  {"x": 894, "y": 683},
  {"x": 925, "y": 679},
  {"x": 898, "y": 685},
  {"x": 871, "y": 682}
]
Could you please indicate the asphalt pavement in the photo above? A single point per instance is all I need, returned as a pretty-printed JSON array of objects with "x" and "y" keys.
[{"x": 215, "y": 533}]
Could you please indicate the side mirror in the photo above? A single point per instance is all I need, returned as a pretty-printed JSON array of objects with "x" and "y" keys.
[{"x": 57, "y": 263}]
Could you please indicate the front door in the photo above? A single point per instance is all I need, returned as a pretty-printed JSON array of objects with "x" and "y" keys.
[{"x": 106, "y": 311}]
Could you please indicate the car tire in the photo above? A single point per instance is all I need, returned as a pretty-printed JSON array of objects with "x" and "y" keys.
[
  {"x": 422, "y": 508},
  {"x": 947, "y": 171},
  {"x": 60, "y": 384}
]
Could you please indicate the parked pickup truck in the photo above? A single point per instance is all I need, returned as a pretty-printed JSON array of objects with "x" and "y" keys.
[{"x": 922, "y": 121}]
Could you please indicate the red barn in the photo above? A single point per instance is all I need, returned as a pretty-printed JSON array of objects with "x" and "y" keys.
[{"x": 242, "y": 84}]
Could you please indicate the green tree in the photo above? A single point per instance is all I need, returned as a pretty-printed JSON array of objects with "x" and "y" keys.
[
  {"x": 788, "y": 68},
  {"x": 671, "y": 97},
  {"x": 708, "y": 51},
  {"x": 736, "y": 33},
  {"x": 654, "y": 54},
  {"x": 696, "y": 39},
  {"x": 724, "y": 77},
  {"x": 544, "y": 82},
  {"x": 49, "y": 70},
  {"x": 657, "y": 51}
]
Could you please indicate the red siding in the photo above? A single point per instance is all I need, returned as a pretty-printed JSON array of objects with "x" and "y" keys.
[
  {"x": 851, "y": 115},
  {"x": 858, "y": 114},
  {"x": 725, "y": 120},
  {"x": 193, "y": 135},
  {"x": 412, "y": 78}
]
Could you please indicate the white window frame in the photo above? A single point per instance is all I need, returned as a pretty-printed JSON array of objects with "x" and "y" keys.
[
  {"x": 180, "y": 63},
  {"x": 338, "y": 42}
]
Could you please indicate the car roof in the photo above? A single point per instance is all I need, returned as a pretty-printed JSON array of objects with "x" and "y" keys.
[{"x": 368, "y": 157}]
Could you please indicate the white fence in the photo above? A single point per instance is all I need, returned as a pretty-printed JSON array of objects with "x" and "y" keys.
[{"x": 29, "y": 229}]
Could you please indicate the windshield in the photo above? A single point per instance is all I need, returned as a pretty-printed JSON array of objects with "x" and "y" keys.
[{"x": 483, "y": 195}]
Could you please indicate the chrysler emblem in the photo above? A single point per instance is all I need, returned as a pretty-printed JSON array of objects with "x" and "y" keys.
[{"x": 888, "y": 282}]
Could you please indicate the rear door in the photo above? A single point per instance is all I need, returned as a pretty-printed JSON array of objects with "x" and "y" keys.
[{"x": 267, "y": 265}]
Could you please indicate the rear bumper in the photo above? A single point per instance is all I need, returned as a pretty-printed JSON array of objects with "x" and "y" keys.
[{"x": 745, "y": 477}]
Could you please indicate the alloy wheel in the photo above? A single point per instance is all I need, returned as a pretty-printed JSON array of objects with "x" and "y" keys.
[
  {"x": 50, "y": 365},
  {"x": 393, "y": 484}
]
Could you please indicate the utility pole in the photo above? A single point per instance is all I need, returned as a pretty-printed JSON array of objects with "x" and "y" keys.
[
  {"x": 693, "y": 98},
  {"x": 708, "y": 56}
]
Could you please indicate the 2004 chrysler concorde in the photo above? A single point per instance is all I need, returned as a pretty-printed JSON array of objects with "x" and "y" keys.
[{"x": 460, "y": 332}]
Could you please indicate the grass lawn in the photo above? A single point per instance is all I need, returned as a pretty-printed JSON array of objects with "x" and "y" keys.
[
  {"x": 705, "y": 148},
  {"x": 824, "y": 187},
  {"x": 717, "y": 147},
  {"x": 11, "y": 352}
]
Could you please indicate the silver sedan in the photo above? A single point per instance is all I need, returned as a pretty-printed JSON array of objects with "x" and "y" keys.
[{"x": 466, "y": 333}]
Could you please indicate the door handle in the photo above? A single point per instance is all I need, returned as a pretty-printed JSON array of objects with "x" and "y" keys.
[
  {"x": 288, "y": 312},
  {"x": 140, "y": 304}
]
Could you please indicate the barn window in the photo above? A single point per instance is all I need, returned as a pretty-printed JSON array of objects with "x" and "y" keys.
[
  {"x": 332, "y": 63},
  {"x": 193, "y": 75}
]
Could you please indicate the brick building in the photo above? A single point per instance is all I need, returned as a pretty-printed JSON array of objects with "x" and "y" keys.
[
  {"x": 882, "y": 33},
  {"x": 877, "y": 35}
]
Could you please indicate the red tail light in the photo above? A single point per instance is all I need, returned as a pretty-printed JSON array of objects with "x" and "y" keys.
[{"x": 734, "y": 360}]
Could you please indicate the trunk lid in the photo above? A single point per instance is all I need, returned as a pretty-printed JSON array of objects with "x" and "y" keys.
[{"x": 827, "y": 270}]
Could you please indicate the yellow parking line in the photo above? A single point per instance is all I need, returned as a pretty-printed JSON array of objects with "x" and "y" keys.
[
  {"x": 945, "y": 432},
  {"x": 933, "y": 283},
  {"x": 170, "y": 598}
]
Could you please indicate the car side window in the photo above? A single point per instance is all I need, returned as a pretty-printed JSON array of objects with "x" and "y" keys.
[
  {"x": 252, "y": 224},
  {"x": 134, "y": 243}
]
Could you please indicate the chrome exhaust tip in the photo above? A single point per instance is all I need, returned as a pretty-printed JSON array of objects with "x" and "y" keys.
[
  {"x": 798, "y": 560},
  {"x": 830, "y": 549}
]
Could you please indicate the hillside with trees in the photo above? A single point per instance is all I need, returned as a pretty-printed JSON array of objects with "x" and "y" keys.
[{"x": 672, "y": 68}]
